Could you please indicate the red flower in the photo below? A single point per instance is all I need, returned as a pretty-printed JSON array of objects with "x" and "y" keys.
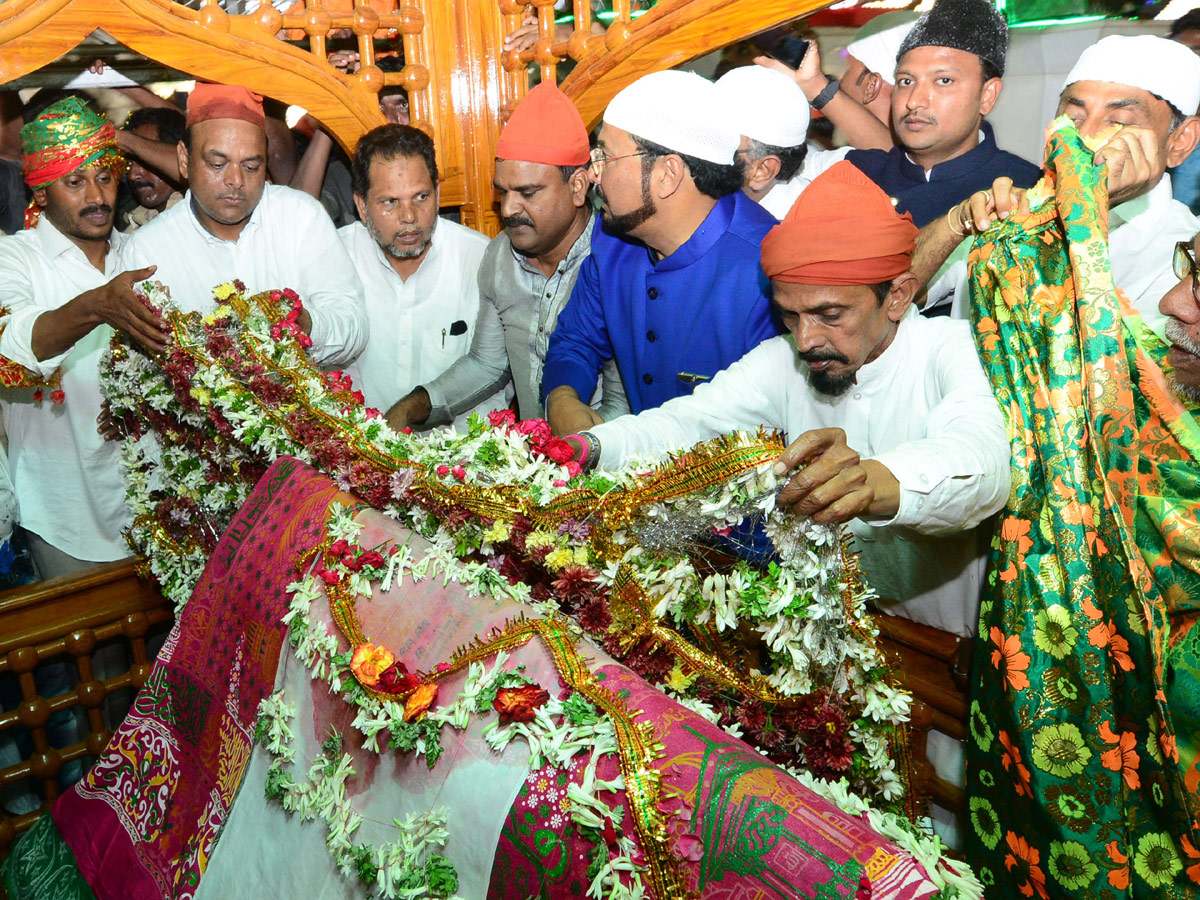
[
  {"x": 276, "y": 296},
  {"x": 57, "y": 397},
  {"x": 519, "y": 704},
  {"x": 329, "y": 576},
  {"x": 1008, "y": 652},
  {"x": 558, "y": 450},
  {"x": 459, "y": 472},
  {"x": 288, "y": 293},
  {"x": 305, "y": 341},
  {"x": 396, "y": 679},
  {"x": 371, "y": 558},
  {"x": 340, "y": 546},
  {"x": 498, "y": 418},
  {"x": 574, "y": 469},
  {"x": 372, "y": 412},
  {"x": 358, "y": 397},
  {"x": 37, "y": 396},
  {"x": 406, "y": 430},
  {"x": 443, "y": 470},
  {"x": 537, "y": 430}
]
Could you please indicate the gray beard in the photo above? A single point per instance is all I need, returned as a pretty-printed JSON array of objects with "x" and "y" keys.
[
  {"x": 1178, "y": 336},
  {"x": 392, "y": 251}
]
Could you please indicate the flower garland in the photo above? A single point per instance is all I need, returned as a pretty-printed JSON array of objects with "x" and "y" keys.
[{"x": 507, "y": 512}]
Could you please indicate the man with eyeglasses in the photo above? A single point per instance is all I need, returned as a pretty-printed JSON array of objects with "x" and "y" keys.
[
  {"x": 673, "y": 289},
  {"x": 1181, "y": 306}
]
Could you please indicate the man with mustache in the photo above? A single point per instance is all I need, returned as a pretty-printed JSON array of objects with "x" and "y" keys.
[
  {"x": 153, "y": 190},
  {"x": 233, "y": 225},
  {"x": 1130, "y": 94},
  {"x": 1181, "y": 306},
  {"x": 672, "y": 290},
  {"x": 893, "y": 425},
  {"x": 63, "y": 294},
  {"x": 947, "y": 79},
  {"x": 420, "y": 271},
  {"x": 528, "y": 270}
]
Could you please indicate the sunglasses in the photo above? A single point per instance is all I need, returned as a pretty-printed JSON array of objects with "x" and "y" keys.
[{"x": 1184, "y": 265}]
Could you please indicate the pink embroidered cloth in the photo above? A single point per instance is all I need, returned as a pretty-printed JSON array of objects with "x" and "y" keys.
[{"x": 145, "y": 822}]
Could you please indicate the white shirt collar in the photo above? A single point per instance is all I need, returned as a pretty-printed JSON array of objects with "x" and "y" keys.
[
  {"x": 1146, "y": 206},
  {"x": 251, "y": 226},
  {"x": 882, "y": 369},
  {"x": 54, "y": 243}
]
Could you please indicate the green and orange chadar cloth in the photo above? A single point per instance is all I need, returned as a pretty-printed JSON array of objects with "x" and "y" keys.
[
  {"x": 1082, "y": 769},
  {"x": 67, "y": 136}
]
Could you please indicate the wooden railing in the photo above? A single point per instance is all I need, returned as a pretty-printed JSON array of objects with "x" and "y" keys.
[
  {"x": 935, "y": 666},
  {"x": 65, "y": 620}
]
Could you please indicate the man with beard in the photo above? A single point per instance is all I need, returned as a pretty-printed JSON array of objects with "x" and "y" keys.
[
  {"x": 893, "y": 424},
  {"x": 63, "y": 294},
  {"x": 153, "y": 190},
  {"x": 1181, "y": 306},
  {"x": 420, "y": 271},
  {"x": 234, "y": 225},
  {"x": 673, "y": 289},
  {"x": 528, "y": 271}
]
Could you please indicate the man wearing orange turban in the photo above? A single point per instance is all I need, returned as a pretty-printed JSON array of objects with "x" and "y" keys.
[
  {"x": 891, "y": 418},
  {"x": 528, "y": 271}
]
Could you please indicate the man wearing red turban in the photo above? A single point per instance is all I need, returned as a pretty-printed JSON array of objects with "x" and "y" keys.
[
  {"x": 894, "y": 428},
  {"x": 233, "y": 225},
  {"x": 527, "y": 271}
]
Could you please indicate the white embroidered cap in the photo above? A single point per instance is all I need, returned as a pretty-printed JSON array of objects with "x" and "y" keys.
[
  {"x": 679, "y": 110},
  {"x": 764, "y": 105},
  {"x": 1163, "y": 67},
  {"x": 877, "y": 43}
]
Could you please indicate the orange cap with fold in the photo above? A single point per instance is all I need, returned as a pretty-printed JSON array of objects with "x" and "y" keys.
[
  {"x": 545, "y": 128},
  {"x": 842, "y": 230},
  {"x": 224, "y": 101}
]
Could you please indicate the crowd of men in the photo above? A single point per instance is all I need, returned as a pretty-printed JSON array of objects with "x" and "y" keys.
[{"x": 693, "y": 268}]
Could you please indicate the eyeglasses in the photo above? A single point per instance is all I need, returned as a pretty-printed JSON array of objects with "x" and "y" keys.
[
  {"x": 1184, "y": 264},
  {"x": 600, "y": 158}
]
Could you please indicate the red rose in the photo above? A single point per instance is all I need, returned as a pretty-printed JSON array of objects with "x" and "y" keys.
[
  {"x": 558, "y": 450},
  {"x": 459, "y": 472},
  {"x": 443, "y": 470},
  {"x": 329, "y": 576},
  {"x": 574, "y": 469},
  {"x": 372, "y": 412},
  {"x": 406, "y": 430},
  {"x": 305, "y": 341},
  {"x": 352, "y": 562},
  {"x": 339, "y": 547},
  {"x": 519, "y": 704},
  {"x": 57, "y": 397},
  {"x": 537, "y": 430},
  {"x": 396, "y": 679},
  {"x": 498, "y": 418},
  {"x": 371, "y": 558},
  {"x": 358, "y": 397},
  {"x": 276, "y": 296},
  {"x": 289, "y": 294}
]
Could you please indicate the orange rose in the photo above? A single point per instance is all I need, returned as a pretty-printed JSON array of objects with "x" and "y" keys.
[
  {"x": 419, "y": 701},
  {"x": 519, "y": 704},
  {"x": 369, "y": 661}
]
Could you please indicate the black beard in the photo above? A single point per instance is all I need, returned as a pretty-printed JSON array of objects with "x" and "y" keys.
[
  {"x": 622, "y": 225},
  {"x": 831, "y": 385}
]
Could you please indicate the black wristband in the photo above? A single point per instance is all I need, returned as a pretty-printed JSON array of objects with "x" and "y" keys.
[{"x": 819, "y": 101}]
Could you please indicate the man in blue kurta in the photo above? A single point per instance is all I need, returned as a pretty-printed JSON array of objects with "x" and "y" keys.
[
  {"x": 673, "y": 289},
  {"x": 947, "y": 79}
]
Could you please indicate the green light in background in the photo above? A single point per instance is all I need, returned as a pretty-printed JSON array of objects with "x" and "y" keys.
[{"x": 1044, "y": 23}]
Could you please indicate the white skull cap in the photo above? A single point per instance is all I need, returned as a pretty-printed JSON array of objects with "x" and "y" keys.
[
  {"x": 679, "y": 110},
  {"x": 765, "y": 105}
]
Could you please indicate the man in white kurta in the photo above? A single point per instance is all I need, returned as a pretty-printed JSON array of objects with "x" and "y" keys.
[
  {"x": 908, "y": 393},
  {"x": 62, "y": 289},
  {"x": 232, "y": 225},
  {"x": 420, "y": 271}
]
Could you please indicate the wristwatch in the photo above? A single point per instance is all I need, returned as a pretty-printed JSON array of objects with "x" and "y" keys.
[
  {"x": 592, "y": 454},
  {"x": 819, "y": 101}
]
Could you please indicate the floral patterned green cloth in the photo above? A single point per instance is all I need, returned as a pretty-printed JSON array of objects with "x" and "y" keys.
[{"x": 1081, "y": 763}]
